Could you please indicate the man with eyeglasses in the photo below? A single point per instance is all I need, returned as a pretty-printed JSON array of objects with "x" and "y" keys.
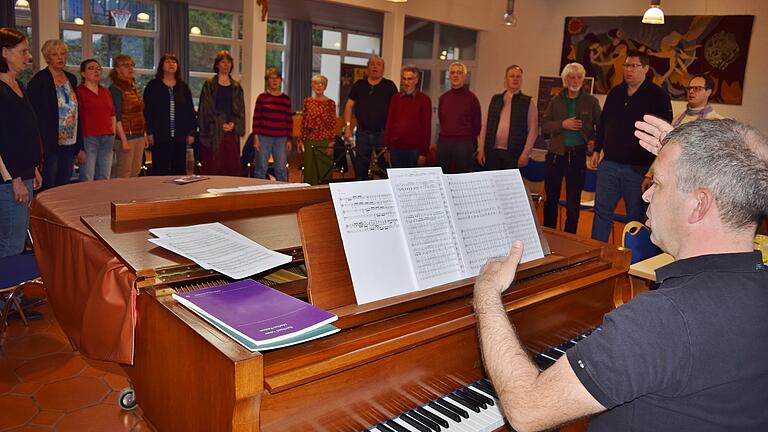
[
  {"x": 699, "y": 90},
  {"x": 369, "y": 100},
  {"x": 622, "y": 170},
  {"x": 409, "y": 122}
]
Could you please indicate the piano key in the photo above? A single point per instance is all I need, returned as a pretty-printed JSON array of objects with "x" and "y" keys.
[
  {"x": 398, "y": 427},
  {"x": 475, "y": 421},
  {"x": 445, "y": 411},
  {"x": 382, "y": 428},
  {"x": 487, "y": 387},
  {"x": 480, "y": 396},
  {"x": 444, "y": 403},
  {"x": 424, "y": 420},
  {"x": 413, "y": 422},
  {"x": 439, "y": 420},
  {"x": 453, "y": 426},
  {"x": 472, "y": 397},
  {"x": 464, "y": 401},
  {"x": 494, "y": 409}
]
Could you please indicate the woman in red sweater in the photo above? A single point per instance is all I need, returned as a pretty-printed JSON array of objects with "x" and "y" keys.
[{"x": 98, "y": 121}]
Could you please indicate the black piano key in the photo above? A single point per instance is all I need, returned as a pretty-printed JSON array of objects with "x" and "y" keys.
[
  {"x": 552, "y": 353},
  {"x": 413, "y": 422},
  {"x": 445, "y": 411},
  {"x": 470, "y": 397},
  {"x": 381, "y": 427},
  {"x": 424, "y": 420},
  {"x": 565, "y": 345},
  {"x": 442, "y": 422},
  {"x": 483, "y": 398},
  {"x": 452, "y": 407},
  {"x": 396, "y": 426},
  {"x": 542, "y": 362},
  {"x": 464, "y": 401},
  {"x": 487, "y": 387}
]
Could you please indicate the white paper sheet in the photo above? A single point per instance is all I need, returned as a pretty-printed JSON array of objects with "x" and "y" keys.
[
  {"x": 373, "y": 240},
  {"x": 217, "y": 247}
]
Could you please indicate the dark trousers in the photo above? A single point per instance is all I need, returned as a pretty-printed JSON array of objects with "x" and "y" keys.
[
  {"x": 404, "y": 158},
  {"x": 366, "y": 142},
  {"x": 499, "y": 159},
  {"x": 170, "y": 157},
  {"x": 455, "y": 157},
  {"x": 571, "y": 166},
  {"x": 58, "y": 165}
]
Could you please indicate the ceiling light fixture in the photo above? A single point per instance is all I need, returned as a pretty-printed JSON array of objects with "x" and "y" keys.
[
  {"x": 22, "y": 5},
  {"x": 509, "y": 16},
  {"x": 654, "y": 14}
]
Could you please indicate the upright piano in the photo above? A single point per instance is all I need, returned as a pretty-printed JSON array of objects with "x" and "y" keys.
[{"x": 391, "y": 356}]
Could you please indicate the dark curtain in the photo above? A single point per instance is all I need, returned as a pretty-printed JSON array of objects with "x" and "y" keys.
[
  {"x": 174, "y": 32},
  {"x": 300, "y": 64},
  {"x": 7, "y": 13}
]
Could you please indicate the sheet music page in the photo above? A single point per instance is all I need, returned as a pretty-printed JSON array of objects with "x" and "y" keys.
[
  {"x": 218, "y": 247},
  {"x": 373, "y": 240},
  {"x": 492, "y": 210},
  {"x": 430, "y": 234}
]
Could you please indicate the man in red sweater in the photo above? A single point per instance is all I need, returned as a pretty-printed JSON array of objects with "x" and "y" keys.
[
  {"x": 459, "y": 115},
  {"x": 409, "y": 122}
]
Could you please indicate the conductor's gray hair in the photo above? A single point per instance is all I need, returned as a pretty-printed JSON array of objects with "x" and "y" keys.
[{"x": 728, "y": 158}]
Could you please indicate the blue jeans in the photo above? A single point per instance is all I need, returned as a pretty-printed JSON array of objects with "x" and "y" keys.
[
  {"x": 276, "y": 147},
  {"x": 615, "y": 180},
  {"x": 58, "y": 165},
  {"x": 14, "y": 220},
  {"x": 404, "y": 158},
  {"x": 365, "y": 143},
  {"x": 98, "y": 157}
]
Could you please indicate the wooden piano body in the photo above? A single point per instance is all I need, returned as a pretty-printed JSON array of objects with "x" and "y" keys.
[{"x": 391, "y": 355}]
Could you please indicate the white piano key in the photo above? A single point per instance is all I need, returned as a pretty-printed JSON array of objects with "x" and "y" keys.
[
  {"x": 478, "y": 420},
  {"x": 494, "y": 410},
  {"x": 405, "y": 424}
]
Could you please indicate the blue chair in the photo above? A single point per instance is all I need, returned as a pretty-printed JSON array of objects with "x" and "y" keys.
[
  {"x": 534, "y": 172},
  {"x": 16, "y": 272},
  {"x": 637, "y": 237}
]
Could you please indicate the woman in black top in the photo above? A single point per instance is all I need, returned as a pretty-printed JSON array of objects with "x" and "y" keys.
[
  {"x": 170, "y": 116},
  {"x": 19, "y": 144},
  {"x": 53, "y": 96}
]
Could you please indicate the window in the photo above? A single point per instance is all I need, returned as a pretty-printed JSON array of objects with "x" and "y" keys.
[
  {"x": 104, "y": 29},
  {"x": 212, "y": 31},
  {"x": 334, "y": 47},
  {"x": 457, "y": 43},
  {"x": 24, "y": 25},
  {"x": 277, "y": 46}
]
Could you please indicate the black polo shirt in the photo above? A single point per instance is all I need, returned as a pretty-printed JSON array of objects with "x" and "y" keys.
[
  {"x": 690, "y": 356},
  {"x": 372, "y": 103},
  {"x": 616, "y": 131}
]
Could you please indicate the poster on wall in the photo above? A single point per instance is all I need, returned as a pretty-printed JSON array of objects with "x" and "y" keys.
[
  {"x": 683, "y": 47},
  {"x": 549, "y": 87},
  {"x": 349, "y": 75}
]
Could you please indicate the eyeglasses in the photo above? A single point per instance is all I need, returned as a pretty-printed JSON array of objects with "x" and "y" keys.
[
  {"x": 632, "y": 65},
  {"x": 695, "y": 88},
  {"x": 93, "y": 68},
  {"x": 130, "y": 65}
]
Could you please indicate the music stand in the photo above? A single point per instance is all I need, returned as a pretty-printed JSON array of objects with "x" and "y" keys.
[
  {"x": 320, "y": 152},
  {"x": 374, "y": 167}
]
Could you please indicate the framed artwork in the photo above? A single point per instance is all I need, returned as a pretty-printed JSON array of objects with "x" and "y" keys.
[{"x": 685, "y": 46}]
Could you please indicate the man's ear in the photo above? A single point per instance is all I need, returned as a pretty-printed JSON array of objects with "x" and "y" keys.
[{"x": 704, "y": 204}]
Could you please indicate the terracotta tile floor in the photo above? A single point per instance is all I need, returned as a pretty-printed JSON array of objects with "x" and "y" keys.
[{"x": 46, "y": 386}]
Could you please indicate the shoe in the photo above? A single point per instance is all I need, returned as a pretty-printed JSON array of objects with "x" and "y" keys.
[
  {"x": 31, "y": 315},
  {"x": 30, "y": 302}
]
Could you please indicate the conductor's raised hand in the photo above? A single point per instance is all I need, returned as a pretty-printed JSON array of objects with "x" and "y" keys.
[
  {"x": 496, "y": 276},
  {"x": 651, "y": 132}
]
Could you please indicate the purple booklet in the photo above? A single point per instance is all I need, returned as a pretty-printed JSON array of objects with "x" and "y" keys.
[{"x": 255, "y": 311}]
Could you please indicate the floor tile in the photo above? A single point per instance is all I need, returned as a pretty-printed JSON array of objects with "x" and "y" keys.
[
  {"x": 25, "y": 388},
  {"x": 8, "y": 380},
  {"x": 30, "y": 428},
  {"x": 97, "y": 418},
  {"x": 17, "y": 410},
  {"x": 143, "y": 426},
  {"x": 51, "y": 368},
  {"x": 34, "y": 345},
  {"x": 116, "y": 382},
  {"x": 71, "y": 394},
  {"x": 47, "y": 418}
]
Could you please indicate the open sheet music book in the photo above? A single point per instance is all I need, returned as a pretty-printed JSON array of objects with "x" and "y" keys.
[{"x": 421, "y": 228}]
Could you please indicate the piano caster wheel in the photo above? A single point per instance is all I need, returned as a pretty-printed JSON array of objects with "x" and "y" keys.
[{"x": 127, "y": 399}]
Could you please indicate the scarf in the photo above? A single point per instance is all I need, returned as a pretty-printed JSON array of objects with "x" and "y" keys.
[{"x": 693, "y": 112}]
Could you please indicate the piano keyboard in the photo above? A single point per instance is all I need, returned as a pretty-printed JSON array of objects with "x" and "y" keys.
[{"x": 472, "y": 408}]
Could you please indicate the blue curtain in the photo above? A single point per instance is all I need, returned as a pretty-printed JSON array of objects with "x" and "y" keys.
[
  {"x": 173, "y": 25},
  {"x": 300, "y": 63}
]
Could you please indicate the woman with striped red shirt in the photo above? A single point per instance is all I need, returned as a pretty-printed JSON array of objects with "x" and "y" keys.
[{"x": 272, "y": 127}]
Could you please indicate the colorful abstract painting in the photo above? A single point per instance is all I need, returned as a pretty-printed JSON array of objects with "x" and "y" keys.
[{"x": 682, "y": 47}]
